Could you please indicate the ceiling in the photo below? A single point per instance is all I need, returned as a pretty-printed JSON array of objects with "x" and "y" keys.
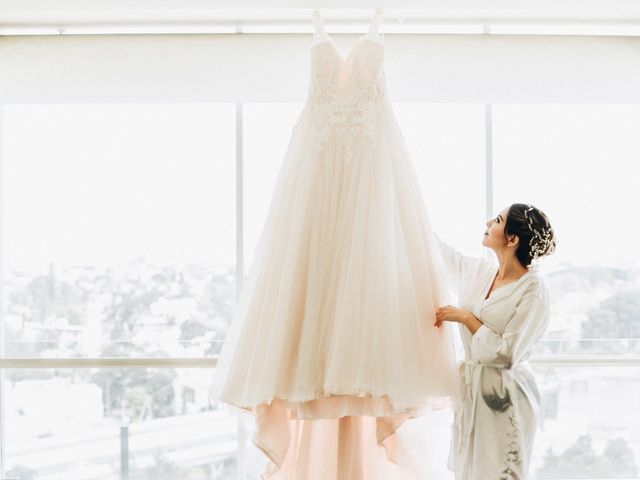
[{"x": 87, "y": 13}]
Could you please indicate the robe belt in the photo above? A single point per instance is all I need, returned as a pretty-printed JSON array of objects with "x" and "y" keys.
[{"x": 470, "y": 372}]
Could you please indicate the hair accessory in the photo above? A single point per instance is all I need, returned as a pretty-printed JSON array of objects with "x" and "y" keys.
[{"x": 541, "y": 236}]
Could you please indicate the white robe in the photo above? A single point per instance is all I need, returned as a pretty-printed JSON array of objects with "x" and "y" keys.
[{"x": 495, "y": 423}]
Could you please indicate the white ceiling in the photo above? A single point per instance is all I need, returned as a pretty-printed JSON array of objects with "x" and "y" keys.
[{"x": 23, "y": 13}]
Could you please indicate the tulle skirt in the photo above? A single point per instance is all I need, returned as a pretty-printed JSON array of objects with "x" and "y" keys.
[{"x": 333, "y": 346}]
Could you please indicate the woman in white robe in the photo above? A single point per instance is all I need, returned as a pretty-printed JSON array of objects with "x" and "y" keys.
[{"x": 503, "y": 311}]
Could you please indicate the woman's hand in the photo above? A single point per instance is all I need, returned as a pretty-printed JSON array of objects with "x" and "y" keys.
[{"x": 449, "y": 313}]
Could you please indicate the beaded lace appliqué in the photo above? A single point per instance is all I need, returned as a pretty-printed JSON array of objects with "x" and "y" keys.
[{"x": 348, "y": 113}]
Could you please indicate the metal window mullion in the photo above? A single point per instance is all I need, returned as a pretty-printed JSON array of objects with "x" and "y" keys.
[
  {"x": 202, "y": 362},
  {"x": 241, "y": 432},
  {"x": 488, "y": 163},
  {"x": 101, "y": 362},
  {"x": 3, "y": 353}
]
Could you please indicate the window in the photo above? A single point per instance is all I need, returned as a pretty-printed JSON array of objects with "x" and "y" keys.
[
  {"x": 115, "y": 423},
  {"x": 579, "y": 164},
  {"x": 120, "y": 229}
]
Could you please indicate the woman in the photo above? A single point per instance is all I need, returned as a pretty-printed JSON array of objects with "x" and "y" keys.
[{"x": 504, "y": 310}]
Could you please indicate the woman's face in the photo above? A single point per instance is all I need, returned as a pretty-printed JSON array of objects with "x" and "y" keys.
[{"x": 494, "y": 234}]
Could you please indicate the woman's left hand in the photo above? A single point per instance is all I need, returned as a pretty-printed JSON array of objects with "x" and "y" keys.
[{"x": 449, "y": 313}]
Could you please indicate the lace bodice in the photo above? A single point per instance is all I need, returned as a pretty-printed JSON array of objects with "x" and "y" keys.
[{"x": 346, "y": 96}]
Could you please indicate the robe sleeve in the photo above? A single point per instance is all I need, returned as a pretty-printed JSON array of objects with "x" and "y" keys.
[
  {"x": 526, "y": 326},
  {"x": 457, "y": 264}
]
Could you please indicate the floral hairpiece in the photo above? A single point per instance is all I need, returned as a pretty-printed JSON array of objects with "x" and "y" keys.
[{"x": 542, "y": 236}]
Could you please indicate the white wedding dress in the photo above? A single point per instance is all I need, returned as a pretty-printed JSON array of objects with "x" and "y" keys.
[{"x": 333, "y": 346}]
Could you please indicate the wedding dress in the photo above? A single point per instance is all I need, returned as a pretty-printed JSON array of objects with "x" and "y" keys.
[{"x": 333, "y": 346}]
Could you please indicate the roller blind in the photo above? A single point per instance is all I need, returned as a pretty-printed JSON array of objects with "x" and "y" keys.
[{"x": 275, "y": 68}]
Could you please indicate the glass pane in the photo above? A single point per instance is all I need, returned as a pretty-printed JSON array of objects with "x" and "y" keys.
[
  {"x": 115, "y": 424},
  {"x": 590, "y": 423},
  {"x": 120, "y": 229},
  {"x": 579, "y": 164},
  {"x": 267, "y": 130},
  {"x": 446, "y": 144}
]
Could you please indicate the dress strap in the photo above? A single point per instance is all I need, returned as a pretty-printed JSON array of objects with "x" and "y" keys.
[
  {"x": 378, "y": 19},
  {"x": 320, "y": 34},
  {"x": 317, "y": 22}
]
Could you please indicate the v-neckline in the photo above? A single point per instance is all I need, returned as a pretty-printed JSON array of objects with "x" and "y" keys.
[
  {"x": 493, "y": 278},
  {"x": 345, "y": 60}
]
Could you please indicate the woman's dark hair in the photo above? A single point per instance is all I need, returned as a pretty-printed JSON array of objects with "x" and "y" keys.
[{"x": 534, "y": 230}]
